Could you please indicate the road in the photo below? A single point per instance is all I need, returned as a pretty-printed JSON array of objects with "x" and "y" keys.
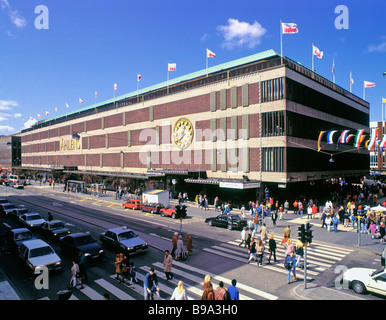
[{"x": 216, "y": 252}]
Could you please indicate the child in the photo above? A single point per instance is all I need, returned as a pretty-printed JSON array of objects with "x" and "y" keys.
[
  {"x": 133, "y": 273},
  {"x": 372, "y": 229}
]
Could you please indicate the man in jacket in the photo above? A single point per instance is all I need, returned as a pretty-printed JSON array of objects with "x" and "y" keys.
[
  {"x": 244, "y": 236},
  {"x": 168, "y": 261},
  {"x": 233, "y": 291},
  {"x": 150, "y": 284},
  {"x": 220, "y": 293}
]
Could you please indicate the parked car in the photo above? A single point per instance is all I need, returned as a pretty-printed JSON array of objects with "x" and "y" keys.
[
  {"x": 6, "y": 208},
  {"x": 35, "y": 253},
  {"x": 230, "y": 221},
  {"x": 31, "y": 219},
  {"x": 3, "y": 200},
  {"x": 168, "y": 211},
  {"x": 15, "y": 237},
  {"x": 54, "y": 229},
  {"x": 17, "y": 185},
  {"x": 132, "y": 204},
  {"x": 362, "y": 280},
  {"x": 74, "y": 243},
  {"x": 152, "y": 207},
  {"x": 124, "y": 240},
  {"x": 17, "y": 212}
]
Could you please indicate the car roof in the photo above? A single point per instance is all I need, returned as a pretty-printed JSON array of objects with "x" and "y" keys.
[
  {"x": 37, "y": 243},
  {"x": 5, "y": 203},
  {"x": 54, "y": 221},
  {"x": 78, "y": 234},
  {"x": 31, "y": 214},
  {"x": 19, "y": 230},
  {"x": 119, "y": 229}
]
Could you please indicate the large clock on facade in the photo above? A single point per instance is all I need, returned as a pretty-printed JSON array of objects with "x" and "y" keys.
[{"x": 183, "y": 133}]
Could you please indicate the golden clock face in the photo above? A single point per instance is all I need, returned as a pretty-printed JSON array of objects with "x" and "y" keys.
[{"x": 183, "y": 133}]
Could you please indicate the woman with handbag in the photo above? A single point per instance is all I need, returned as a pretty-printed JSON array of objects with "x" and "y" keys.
[{"x": 76, "y": 279}]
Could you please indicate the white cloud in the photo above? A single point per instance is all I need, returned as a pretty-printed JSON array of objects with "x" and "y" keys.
[
  {"x": 29, "y": 123},
  {"x": 7, "y": 129},
  {"x": 7, "y": 105},
  {"x": 380, "y": 47},
  {"x": 239, "y": 33},
  {"x": 17, "y": 115},
  {"x": 205, "y": 37},
  {"x": 18, "y": 20}
]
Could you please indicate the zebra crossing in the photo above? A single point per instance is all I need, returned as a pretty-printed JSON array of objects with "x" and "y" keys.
[
  {"x": 192, "y": 277},
  {"x": 320, "y": 256}
]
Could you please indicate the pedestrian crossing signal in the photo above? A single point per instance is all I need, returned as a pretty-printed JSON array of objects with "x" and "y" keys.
[{"x": 308, "y": 233}]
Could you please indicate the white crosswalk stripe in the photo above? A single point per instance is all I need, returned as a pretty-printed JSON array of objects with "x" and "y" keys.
[
  {"x": 320, "y": 256},
  {"x": 192, "y": 277}
]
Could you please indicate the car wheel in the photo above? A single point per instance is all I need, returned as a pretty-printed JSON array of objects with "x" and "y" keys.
[
  {"x": 173, "y": 215},
  {"x": 358, "y": 287},
  {"x": 210, "y": 223},
  {"x": 230, "y": 227},
  {"x": 152, "y": 212}
]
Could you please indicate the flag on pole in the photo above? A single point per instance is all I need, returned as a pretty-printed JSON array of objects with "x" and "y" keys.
[
  {"x": 56, "y": 109},
  {"x": 317, "y": 52},
  {"x": 383, "y": 100},
  {"x": 80, "y": 100},
  {"x": 172, "y": 67},
  {"x": 139, "y": 77},
  {"x": 39, "y": 116},
  {"x": 289, "y": 28},
  {"x": 115, "y": 86},
  {"x": 96, "y": 94},
  {"x": 368, "y": 84},
  {"x": 333, "y": 70},
  {"x": 32, "y": 119},
  {"x": 47, "y": 113},
  {"x": 210, "y": 54},
  {"x": 351, "y": 79},
  {"x": 68, "y": 105}
]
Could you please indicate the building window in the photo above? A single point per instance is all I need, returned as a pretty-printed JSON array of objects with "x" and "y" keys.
[
  {"x": 273, "y": 124},
  {"x": 272, "y": 90},
  {"x": 273, "y": 159}
]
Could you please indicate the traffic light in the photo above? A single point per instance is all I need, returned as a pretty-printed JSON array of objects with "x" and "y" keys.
[
  {"x": 181, "y": 212},
  {"x": 302, "y": 233},
  {"x": 308, "y": 233}
]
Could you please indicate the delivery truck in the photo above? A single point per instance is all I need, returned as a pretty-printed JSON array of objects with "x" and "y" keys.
[{"x": 156, "y": 196}]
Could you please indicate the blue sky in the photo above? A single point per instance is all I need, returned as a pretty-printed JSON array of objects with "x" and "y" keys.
[{"x": 90, "y": 45}]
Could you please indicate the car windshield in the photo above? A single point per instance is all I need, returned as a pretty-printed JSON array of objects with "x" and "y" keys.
[
  {"x": 21, "y": 211},
  {"x": 377, "y": 272},
  {"x": 34, "y": 217},
  {"x": 23, "y": 236},
  {"x": 57, "y": 225},
  {"x": 9, "y": 206},
  {"x": 126, "y": 235},
  {"x": 80, "y": 241},
  {"x": 235, "y": 218},
  {"x": 42, "y": 251}
]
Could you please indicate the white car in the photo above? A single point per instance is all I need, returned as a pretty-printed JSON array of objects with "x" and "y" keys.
[
  {"x": 31, "y": 219},
  {"x": 37, "y": 253},
  {"x": 362, "y": 280}
]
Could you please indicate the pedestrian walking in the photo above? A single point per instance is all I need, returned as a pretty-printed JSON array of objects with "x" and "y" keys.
[
  {"x": 328, "y": 222},
  {"x": 150, "y": 285},
  {"x": 243, "y": 236},
  {"x": 314, "y": 211},
  {"x": 274, "y": 218},
  {"x": 174, "y": 242},
  {"x": 286, "y": 207},
  {"x": 189, "y": 243},
  {"x": 287, "y": 231},
  {"x": 335, "y": 222},
  {"x": 290, "y": 265},
  {"x": 118, "y": 265},
  {"x": 243, "y": 212},
  {"x": 76, "y": 278},
  {"x": 272, "y": 248},
  {"x": 233, "y": 292},
  {"x": 295, "y": 205},
  {"x": 252, "y": 251},
  {"x": 50, "y": 218},
  {"x": 83, "y": 267},
  {"x": 180, "y": 252},
  {"x": 125, "y": 266},
  {"x": 208, "y": 293},
  {"x": 382, "y": 230},
  {"x": 290, "y": 248},
  {"x": 309, "y": 212},
  {"x": 260, "y": 252},
  {"x": 167, "y": 264},
  {"x": 323, "y": 218},
  {"x": 179, "y": 293},
  {"x": 221, "y": 293},
  {"x": 372, "y": 229},
  {"x": 299, "y": 252},
  {"x": 264, "y": 233}
]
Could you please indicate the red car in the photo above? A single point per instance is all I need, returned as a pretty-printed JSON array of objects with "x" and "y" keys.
[
  {"x": 132, "y": 204},
  {"x": 168, "y": 211}
]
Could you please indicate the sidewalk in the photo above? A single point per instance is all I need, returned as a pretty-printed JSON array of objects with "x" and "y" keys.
[{"x": 6, "y": 290}]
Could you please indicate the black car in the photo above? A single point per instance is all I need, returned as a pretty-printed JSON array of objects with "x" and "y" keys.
[
  {"x": 230, "y": 221},
  {"x": 15, "y": 213},
  {"x": 54, "y": 229},
  {"x": 74, "y": 243},
  {"x": 3, "y": 200},
  {"x": 6, "y": 208},
  {"x": 15, "y": 237}
]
